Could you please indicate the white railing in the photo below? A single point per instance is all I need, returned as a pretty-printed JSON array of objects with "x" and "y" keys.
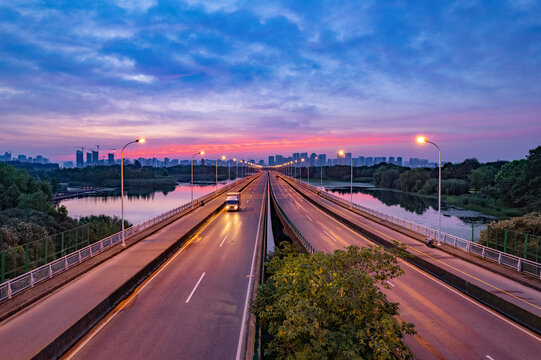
[
  {"x": 500, "y": 257},
  {"x": 27, "y": 280}
]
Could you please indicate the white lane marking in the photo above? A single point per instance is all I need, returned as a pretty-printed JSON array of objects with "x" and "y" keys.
[
  {"x": 223, "y": 241},
  {"x": 309, "y": 218},
  {"x": 120, "y": 308},
  {"x": 472, "y": 301},
  {"x": 329, "y": 235},
  {"x": 196, "y": 285},
  {"x": 489, "y": 357},
  {"x": 390, "y": 283},
  {"x": 297, "y": 206},
  {"x": 246, "y": 302}
]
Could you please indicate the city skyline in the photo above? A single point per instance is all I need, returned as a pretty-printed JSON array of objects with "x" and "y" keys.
[{"x": 258, "y": 77}]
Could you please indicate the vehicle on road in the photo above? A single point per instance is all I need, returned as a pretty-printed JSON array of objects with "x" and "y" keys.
[{"x": 232, "y": 201}]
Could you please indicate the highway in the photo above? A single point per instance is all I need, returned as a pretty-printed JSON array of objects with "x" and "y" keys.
[
  {"x": 193, "y": 307},
  {"x": 26, "y": 333},
  {"x": 450, "y": 325}
]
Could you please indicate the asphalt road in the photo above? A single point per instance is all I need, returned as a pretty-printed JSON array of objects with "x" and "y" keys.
[
  {"x": 192, "y": 308},
  {"x": 450, "y": 325},
  {"x": 26, "y": 333}
]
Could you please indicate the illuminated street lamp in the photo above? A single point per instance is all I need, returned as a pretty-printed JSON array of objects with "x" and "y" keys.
[
  {"x": 422, "y": 140},
  {"x": 141, "y": 140},
  {"x": 222, "y": 158},
  {"x": 342, "y": 153},
  {"x": 300, "y": 170},
  {"x": 295, "y": 169},
  {"x": 194, "y": 155}
]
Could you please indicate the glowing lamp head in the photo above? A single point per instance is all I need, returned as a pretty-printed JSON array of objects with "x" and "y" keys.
[
  {"x": 302, "y": 160},
  {"x": 235, "y": 159},
  {"x": 202, "y": 152},
  {"x": 223, "y": 157},
  {"x": 141, "y": 140},
  {"x": 421, "y": 139},
  {"x": 341, "y": 153}
]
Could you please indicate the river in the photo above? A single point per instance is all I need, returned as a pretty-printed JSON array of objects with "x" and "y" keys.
[{"x": 143, "y": 204}]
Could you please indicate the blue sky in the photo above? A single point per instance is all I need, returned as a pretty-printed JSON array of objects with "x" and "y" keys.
[{"x": 257, "y": 77}]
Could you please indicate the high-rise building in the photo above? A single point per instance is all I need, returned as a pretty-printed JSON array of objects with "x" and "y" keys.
[
  {"x": 348, "y": 159},
  {"x": 296, "y": 156},
  {"x": 313, "y": 159},
  {"x": 399, "y": 161},
  {"x": 369, "y": 161},
  {"x": 79, "y": 159},
  {"x": 340, "y": 160},
  {"x": 6, "y": 157},
  {"x": 379, "y": 160},
  {"x": 111, "y": 158},
  {"x": 322, "y": 159},
  {"x": 391, "y": 160},
  {"x": 279, "y": 160},
  {"x": 271, "y": 160},
  {"x": 95, "y": 157},
  {"x": 88, "y": 158},
  {"x": 22, "y": 158}
]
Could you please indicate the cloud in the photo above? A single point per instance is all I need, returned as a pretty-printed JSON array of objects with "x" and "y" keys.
[{"x": 271, "y": 69}]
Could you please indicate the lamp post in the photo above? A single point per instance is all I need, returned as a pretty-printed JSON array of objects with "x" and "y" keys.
[
  {"x": 236, "y": 163},
  {"x": 229, "y": 170},
  {"x": 141, "y": 140},
  {"x": 422, "y": 140},
  {"x": 194, "y": 155},
  {"x": 295, "y": 169},
  {"x": 342, "y": 153},
  {"x": 222, "y": 158},
  {"x": 300, "y": 172}
]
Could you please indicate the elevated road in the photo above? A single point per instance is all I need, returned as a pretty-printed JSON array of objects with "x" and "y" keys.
[
  {"x": 450, "y": 325},
  {"x": 194, "y": 306},
  {"x": 28, "y": 332}
]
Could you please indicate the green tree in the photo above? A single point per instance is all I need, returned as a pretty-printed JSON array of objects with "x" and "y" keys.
[{"x": 330, "y": 306}]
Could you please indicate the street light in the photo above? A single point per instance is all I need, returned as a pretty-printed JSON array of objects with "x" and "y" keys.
[
  {"x": 300, "y": 172},
  {"x": 194, "y": 155},
  {"x": 222, "y": 158},
  {"x": 422, "y": 140},
  {"x": 141, "y": 140},
  {"x": 295, "y": 169},
  {"x": 342, "y": 153},
  {"x": 237, "y": 163}
]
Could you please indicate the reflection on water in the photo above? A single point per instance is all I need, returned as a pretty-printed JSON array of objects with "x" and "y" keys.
[
  {"x": 139, "y": 204},
  {"x": 417, "y": 208}
]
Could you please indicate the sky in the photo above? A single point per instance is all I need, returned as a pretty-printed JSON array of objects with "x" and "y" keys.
[{"x": 256, "y": 78}]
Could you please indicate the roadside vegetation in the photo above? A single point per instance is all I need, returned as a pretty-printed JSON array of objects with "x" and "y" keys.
[
  {"x": 27, "y": 215},
  {"x": 502, "y": 189},
  {"x": 330, "y": 306}
]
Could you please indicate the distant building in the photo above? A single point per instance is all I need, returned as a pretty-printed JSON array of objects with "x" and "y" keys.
[
  {"x": 399, "y": 161},
  {"x": 22, "y": 158},
  {"x": 111, "y": 158},
  {"x": 6, "y": 157},
  {"x": 95, "y": 157},
  {"x": 313, "y": 159},
  {"x": 67, "y": 164},
  {"x": 379, "y": 160},
  {"x": 271, "y": 160},
  {"x": 88, "y": 158},
  {"x": 279, "y": 160},
  {"x": 348, "y": 159},
  {"x": 391, "y": 160},
  {"x": 79, "y": 159},
  {"x": 322, "y": 159}
]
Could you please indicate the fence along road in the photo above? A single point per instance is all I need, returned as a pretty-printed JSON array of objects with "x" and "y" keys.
[
  {"x": 193, "y": 309},
  {"x": 449, "y": 324},
  {"x": 520, "y": 295},
  {"x": 26, "y": 333}
]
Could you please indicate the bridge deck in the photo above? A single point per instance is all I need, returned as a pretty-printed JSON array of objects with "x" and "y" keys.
[
  {"x": 26, "y": 333},
  {"x": 449, "y": 324}
]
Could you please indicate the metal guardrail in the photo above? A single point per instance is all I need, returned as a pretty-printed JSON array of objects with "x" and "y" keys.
[
  {"x": 500, "y": 257},
  {"x": 29, "y": 279},
  {"x": 302, "y": 239}
]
